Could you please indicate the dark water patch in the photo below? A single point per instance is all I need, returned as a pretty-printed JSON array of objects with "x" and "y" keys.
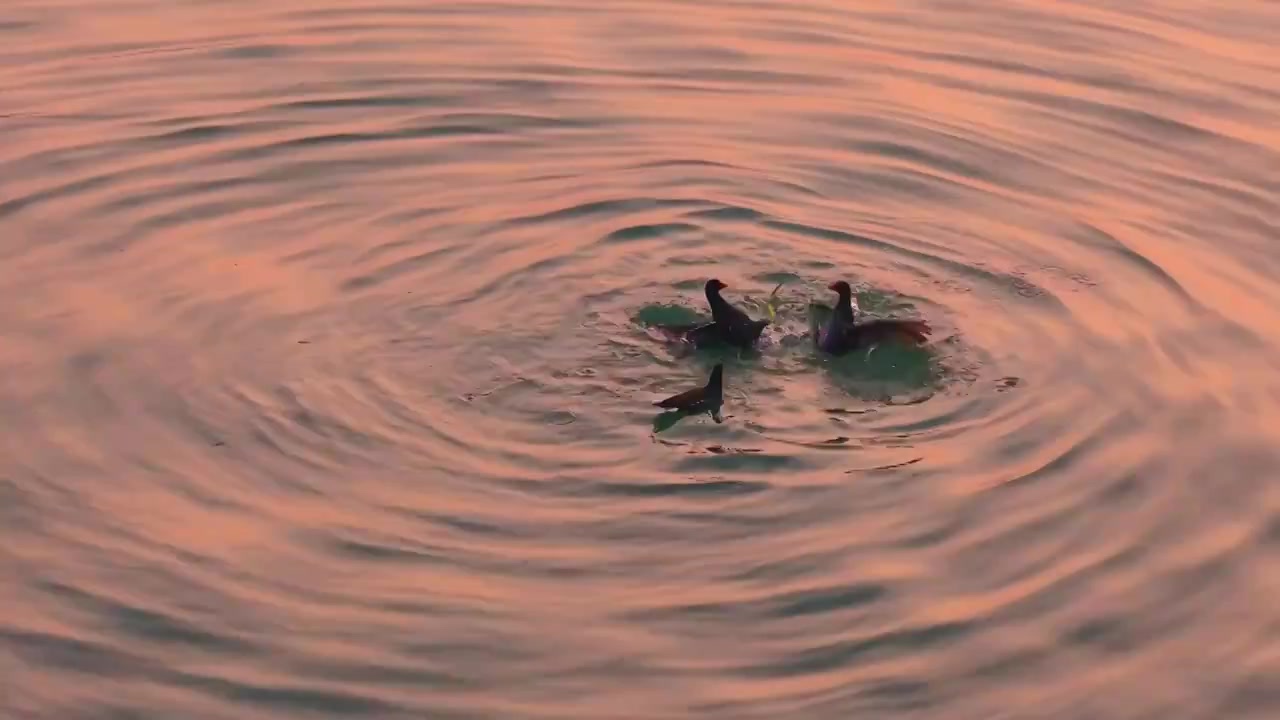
[
  {"x": 887, "y": 183},
  {"x": 884, "y": 467},
  {"x": 153, "y": 224},
  {"x": 1114, "y": 80},
  {"x": 785, "y": 605},
  {"x": 265, "y": 437},
  {"x": 385, "y": 552},
  {"x": 919, "y": 156},
  {"x": 290, "y": 698},
  {"x": 18, "y": 25},
  {"x": 814, "y": 38},
  {"x": 384, "y": 674},
  {"x": 505, "y": 529},
  {"x": 66, "y": 190},
  {"x": 362, "y": 102},
  {"x": 825, "y": 600},
  {"x": 352, "y": 139},
  {"x": 723, "y": 77},
  {"x": 1107, "y": 634},
  {"x": 802, "y": 564},
  {"x": 255, "y": 52},
  {"x": 650, "y": 232},
  {"x": 848, "y": 652},
  {"x": 20, "y": 508},
  {"x": 1270, "y": 532},
  {"x": 715, "y": 459},
  {"x": 205, "y": 133},
  {"x": 149, "y": 625},
  {"x": 935, "y": 533},
  {"x": 728, "y": 214},
  {"x": 618, "y": 207},
  {"x": 144, "y": 198},
  {"x": 733, "y": 520},
  {"x": 396, "y": 269},
  {"x": 703, "y": 488},
  {"x": 511, "y": 122},
  {"x": 1142, "y": 123},
  {"x": 1255, "y": 696},
  {"x": 833, "y": 235},
  {"x": 682, "y": 163},
  {"x": 75, "y": 655},
  {"x": 471, "y": 9},
  {"x": 1013, "y": 665}
]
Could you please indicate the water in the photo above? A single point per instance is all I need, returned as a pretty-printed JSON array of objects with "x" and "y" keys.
[{"x": 326, "y": 387}]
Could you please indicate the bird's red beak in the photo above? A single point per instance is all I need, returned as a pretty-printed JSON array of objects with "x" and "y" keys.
[{"x": 832, "y": 286}]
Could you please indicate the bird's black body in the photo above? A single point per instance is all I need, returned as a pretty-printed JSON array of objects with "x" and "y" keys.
[
  {"x": 843, "y": 334},
  {"x": 708, "y": 398},
  {"x": 728, "y": 326}
]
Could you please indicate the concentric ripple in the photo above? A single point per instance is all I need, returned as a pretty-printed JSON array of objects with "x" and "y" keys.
[{"x": 327, "y": 381}]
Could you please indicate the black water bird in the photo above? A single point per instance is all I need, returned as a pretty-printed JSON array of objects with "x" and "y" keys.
[
  {"x": 709, "y": 398},
  {"x": 843, "y": 333},
  {"x": 729, "y": 325},
  {"x": 735, "y": 326}
]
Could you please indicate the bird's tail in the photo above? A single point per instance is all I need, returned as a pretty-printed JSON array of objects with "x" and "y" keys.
[
  {"x": 679, "y": 331},
  {"x": 680, "y": 327},
  {"x": 917, "y": 331}
]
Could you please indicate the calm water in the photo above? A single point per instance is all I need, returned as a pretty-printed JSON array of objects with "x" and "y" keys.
[{"x": 326, "y": 387}]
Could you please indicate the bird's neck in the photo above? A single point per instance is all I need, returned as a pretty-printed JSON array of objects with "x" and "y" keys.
[
  {"x": 713, "y": 384},
  {"x": 720, "y": 308},
  {"x": 844, "y": 307}
]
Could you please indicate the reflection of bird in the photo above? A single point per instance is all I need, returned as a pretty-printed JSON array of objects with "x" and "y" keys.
[
  {"x": 842, "y": 333},
  {"x": 708, "y": 398},
  {"x": 728, "y": 325}
]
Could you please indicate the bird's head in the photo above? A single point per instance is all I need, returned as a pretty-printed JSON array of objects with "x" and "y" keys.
[{"x": 841, "y": 287}]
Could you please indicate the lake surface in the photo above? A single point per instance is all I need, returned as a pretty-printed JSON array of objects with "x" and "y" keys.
[{"x": 326, "y": 374}]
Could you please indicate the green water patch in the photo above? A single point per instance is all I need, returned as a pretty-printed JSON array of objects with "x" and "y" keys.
[
  {"x": 667, "y": 420},
  {"x": 668, "y": 314},
  {"x": 888, "y": 363}
]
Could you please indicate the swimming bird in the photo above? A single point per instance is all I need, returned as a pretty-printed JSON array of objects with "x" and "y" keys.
[
  {"x": 843, "y": 333},
  {"x": 709, "y": 398},
  {"x": 729, "y": 325},
  {"x": 733, "y": 325}
]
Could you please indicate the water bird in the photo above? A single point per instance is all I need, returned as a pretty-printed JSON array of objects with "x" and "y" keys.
[
  {"x": 843, "y": 333},
  {"x": 729, "y": 325},
  {"x": 709, "y": 398}
]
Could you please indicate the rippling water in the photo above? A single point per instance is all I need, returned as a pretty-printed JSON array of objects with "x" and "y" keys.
[{"x": 326, "y": 387}]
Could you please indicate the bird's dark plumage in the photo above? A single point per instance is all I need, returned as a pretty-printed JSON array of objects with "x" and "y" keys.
[
  {"x": 700, "y": 335},
  {"x": 843, "y": 333},
  {"x": 729, "y": 325},
  {"x": 709, "y": 398},
  {"x": 732, "y": 326}
]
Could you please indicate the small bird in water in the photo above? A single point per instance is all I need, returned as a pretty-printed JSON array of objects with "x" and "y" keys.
[
  {"x": 842, "y": 333},
  {"x": 709, "y": 398},
  {"x": 728, "y": 325}
]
